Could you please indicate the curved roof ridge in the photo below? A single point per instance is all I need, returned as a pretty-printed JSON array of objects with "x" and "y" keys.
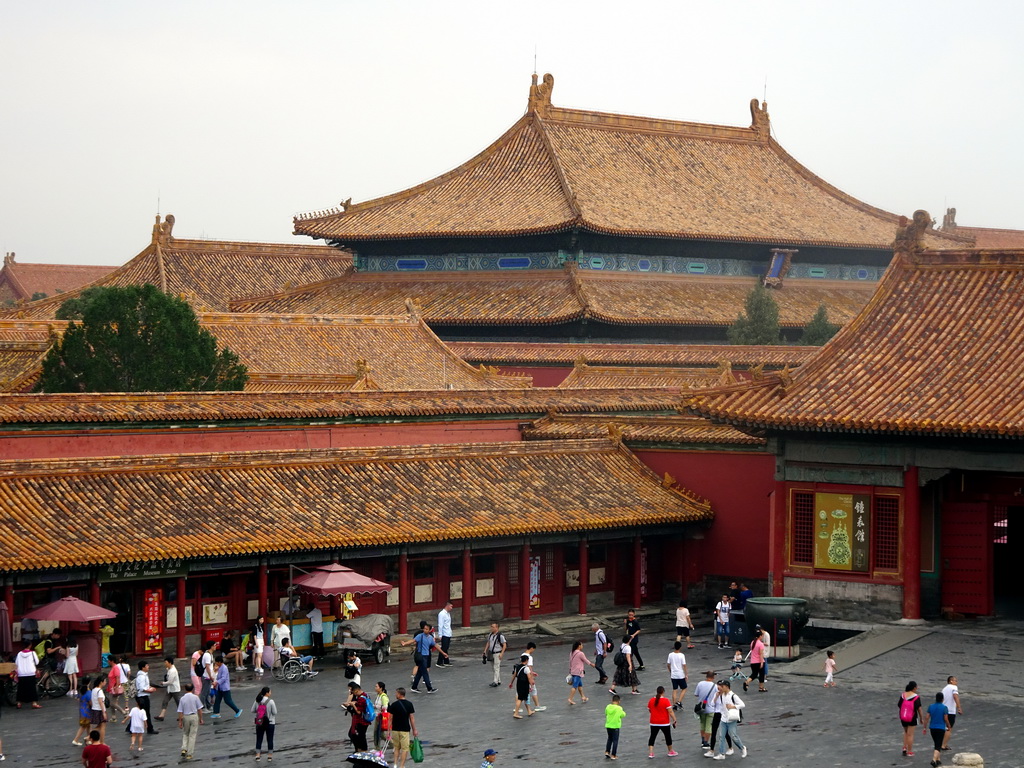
[
  {"x": 642, "y": 124},
  {"x": 563, "y": 180},
  {"x": 849, "y": 199},
  {"x": 485, "y": 154}
]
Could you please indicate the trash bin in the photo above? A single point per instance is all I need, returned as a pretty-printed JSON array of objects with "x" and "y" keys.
[{"x": 739, "y": 632}]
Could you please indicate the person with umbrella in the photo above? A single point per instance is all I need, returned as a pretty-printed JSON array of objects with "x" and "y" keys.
[{"x": 27, "y": 665}]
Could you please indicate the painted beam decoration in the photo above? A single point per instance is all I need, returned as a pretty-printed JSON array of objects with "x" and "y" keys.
[{"x": 843, "y": 528}]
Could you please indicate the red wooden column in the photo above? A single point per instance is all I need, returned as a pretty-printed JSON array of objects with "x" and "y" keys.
[
  {"x": 778, "y": 530},
  {"x": 584, "y": 575},
  {"x": 637, "y": 553},
  {"x": 182, "y": 651},
  {"x": 94, "y": 598},
  {"x": 911, "y": 545},
  {"x": 261, "y": 609},
  {"x": 467, "y": 587},
  {"x": 9, "y": 599},
  {"x": 403, "y": 593},
  {"x": 524, "y": 581}
]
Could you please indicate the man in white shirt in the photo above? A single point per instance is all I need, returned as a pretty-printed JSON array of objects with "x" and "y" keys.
[
  {"x": 208, "y": 675},
  {"x": 142, "y": 691},
  {"x": 722, "y": 611},
  {"x": 316, "y": 628},
  {"x": 951, "y": 698},
  {"x": 172, "y": 684},
  {"x": 444, "y": 631},
  {"x": 676, "y": 665}
]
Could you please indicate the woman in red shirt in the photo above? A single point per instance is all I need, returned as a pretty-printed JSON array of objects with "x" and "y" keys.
[{"x": 661, "y": 714}]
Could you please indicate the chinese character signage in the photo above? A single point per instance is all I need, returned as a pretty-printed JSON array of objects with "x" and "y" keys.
[
  {"x": 152, "y": 620},
  {"x": 161, "y": 569},
  {"x": 842, "y": 528},
  {"x": 535, "y": 582}
]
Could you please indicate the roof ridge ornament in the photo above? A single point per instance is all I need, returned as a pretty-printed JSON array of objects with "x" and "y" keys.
[
  {"x": 910, "y": 234},
  {"x": 540, "y": 95},
  {"x": 162, "y": 231},
  {"x": 760, "y": 123}
]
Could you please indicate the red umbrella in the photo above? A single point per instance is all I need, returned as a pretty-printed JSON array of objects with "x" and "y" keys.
[
  {"x": 70, "y": 609},
  {"x": 336, "y": 579}
]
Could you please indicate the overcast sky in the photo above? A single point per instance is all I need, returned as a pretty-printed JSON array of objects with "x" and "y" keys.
[{"x": 237, "y": 115}]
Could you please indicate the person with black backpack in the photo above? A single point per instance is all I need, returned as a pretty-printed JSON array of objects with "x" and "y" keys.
[
  {"x": 265, "y": 710},
  {"x": 625, "y": 674}
]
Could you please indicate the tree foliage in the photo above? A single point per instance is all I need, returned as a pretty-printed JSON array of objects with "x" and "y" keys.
[
  {"x": 819, "y": 329},
  {"x": 136, "y": 339},
  {"x": 759, "y": 324}
]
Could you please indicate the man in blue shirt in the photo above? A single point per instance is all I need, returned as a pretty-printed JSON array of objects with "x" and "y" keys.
[
  {"x": 424, "y": 646},
  {"x": 444, "y": 631}
]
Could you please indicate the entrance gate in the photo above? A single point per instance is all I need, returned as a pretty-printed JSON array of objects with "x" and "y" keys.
[{"x": 967, "y": 558}]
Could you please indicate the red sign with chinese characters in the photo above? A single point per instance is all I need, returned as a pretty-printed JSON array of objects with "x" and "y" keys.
[{"x": 153, "y": 620}]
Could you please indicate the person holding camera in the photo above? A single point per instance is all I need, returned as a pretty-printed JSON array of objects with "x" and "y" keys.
[
  {"x": 356, "y": 706},
  {"x": 494, "y": 652}
]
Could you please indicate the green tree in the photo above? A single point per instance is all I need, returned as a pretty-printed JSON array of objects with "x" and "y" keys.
[
  {"x": 819, "y": 329},
  {"x": 759, "y": 324},
  {"x": 136, "y": 339}
]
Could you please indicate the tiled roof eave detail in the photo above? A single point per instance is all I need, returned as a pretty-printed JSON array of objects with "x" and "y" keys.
[
  {"x": 759, "y": 239},
  {"x": 341, "y": 241},
  {"x": 989, "y": 431},
  {"x": 139, "y": 408}
]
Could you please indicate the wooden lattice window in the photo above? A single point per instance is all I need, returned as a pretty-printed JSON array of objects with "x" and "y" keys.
[
  {"x": 887, "y": 533},
  {"x": 513, "y": 568},
  {"x": 802, "y": 546}
]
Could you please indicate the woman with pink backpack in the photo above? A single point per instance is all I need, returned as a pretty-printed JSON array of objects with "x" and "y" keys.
[
  {"x": 910, "y": 712},
  {"x": 265, "y": 710}
]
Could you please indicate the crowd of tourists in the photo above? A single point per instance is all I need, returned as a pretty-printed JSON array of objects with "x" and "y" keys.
[{"x": 123, "y": 694}]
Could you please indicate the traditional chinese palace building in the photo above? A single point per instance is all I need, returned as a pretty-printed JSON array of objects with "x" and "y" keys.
[
  {"x": 899, "y": 461},
  {"x": 390, "y": 422}
]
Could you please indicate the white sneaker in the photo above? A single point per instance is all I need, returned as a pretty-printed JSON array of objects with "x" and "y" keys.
[
  {"x": 709, "y": 753},
  {"x": 719, "y": 756},
  {"x": 744, "y": 752},
  {"x": 729, "y": 751},
  {"x": 539, "y": 709}
]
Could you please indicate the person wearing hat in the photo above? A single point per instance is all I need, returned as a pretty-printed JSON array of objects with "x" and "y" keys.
[{"x": 490, "y": 756}]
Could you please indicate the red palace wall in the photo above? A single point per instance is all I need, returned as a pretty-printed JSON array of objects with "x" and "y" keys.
[
  {"x": 737, "y": 485},
  {"x": 543, "y": 376},
  {"x": 164, "y": 440}
]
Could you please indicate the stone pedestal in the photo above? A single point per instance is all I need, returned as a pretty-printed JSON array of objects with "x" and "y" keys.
[{"x": 968, "y": 758}]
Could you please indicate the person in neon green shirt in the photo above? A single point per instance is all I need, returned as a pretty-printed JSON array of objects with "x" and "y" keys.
[{"x": 613, "y": 715}]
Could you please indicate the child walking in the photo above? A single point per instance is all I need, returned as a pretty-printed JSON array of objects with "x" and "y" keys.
[
  {"x": 613, "y": 715},
  {"x": 84, "y": 694},
  {"x": 138, "y": 718},
  {"x": 830, "y": 669}
]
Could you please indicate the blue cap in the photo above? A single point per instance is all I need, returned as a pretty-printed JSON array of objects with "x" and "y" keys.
[{"x": 490, "y": 752}]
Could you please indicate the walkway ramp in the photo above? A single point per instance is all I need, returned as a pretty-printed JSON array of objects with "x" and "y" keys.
[{"x": 864, "y": 647}]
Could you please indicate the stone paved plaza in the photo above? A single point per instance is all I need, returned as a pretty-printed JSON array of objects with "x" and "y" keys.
[{"x": 796, "y": 723}]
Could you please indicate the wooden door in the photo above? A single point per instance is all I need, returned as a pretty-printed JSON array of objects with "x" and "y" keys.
[{"x": 966, "y": 554}]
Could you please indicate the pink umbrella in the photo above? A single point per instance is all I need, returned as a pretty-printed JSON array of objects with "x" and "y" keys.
[
  {"x": 70, "y": 609},
  {"x": 335, "y": 579}
]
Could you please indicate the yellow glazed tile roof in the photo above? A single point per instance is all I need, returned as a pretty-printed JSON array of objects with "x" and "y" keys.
[
  {"x": 303, "y": 353},
  {"x": 567, "y": 353},
  {"x": 648, "y": 428},
  {"x": 933, "y": 353},
  {"x": 558, "y": 168},
  {"x": 208, "y": 273},
  {"x": 21, "y": 281},
  {"x": 204, "y": 504},
  {"x": 586, "y": 376},
  {"x": 211, "y": 407},
  {"x": 548, "y": 297},
  {"x": 386, "y": 353}
]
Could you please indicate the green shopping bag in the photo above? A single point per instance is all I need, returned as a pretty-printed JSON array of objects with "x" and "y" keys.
[{"x": 416, "y": 750}]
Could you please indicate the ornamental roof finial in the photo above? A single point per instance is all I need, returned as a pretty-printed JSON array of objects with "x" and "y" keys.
[
  {"x": 540, "y": 95},
  {"x": 759, "y": 120}
]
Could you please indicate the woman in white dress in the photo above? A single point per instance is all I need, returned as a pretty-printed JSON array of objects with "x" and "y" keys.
[{"x": 71, "y": 666}]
